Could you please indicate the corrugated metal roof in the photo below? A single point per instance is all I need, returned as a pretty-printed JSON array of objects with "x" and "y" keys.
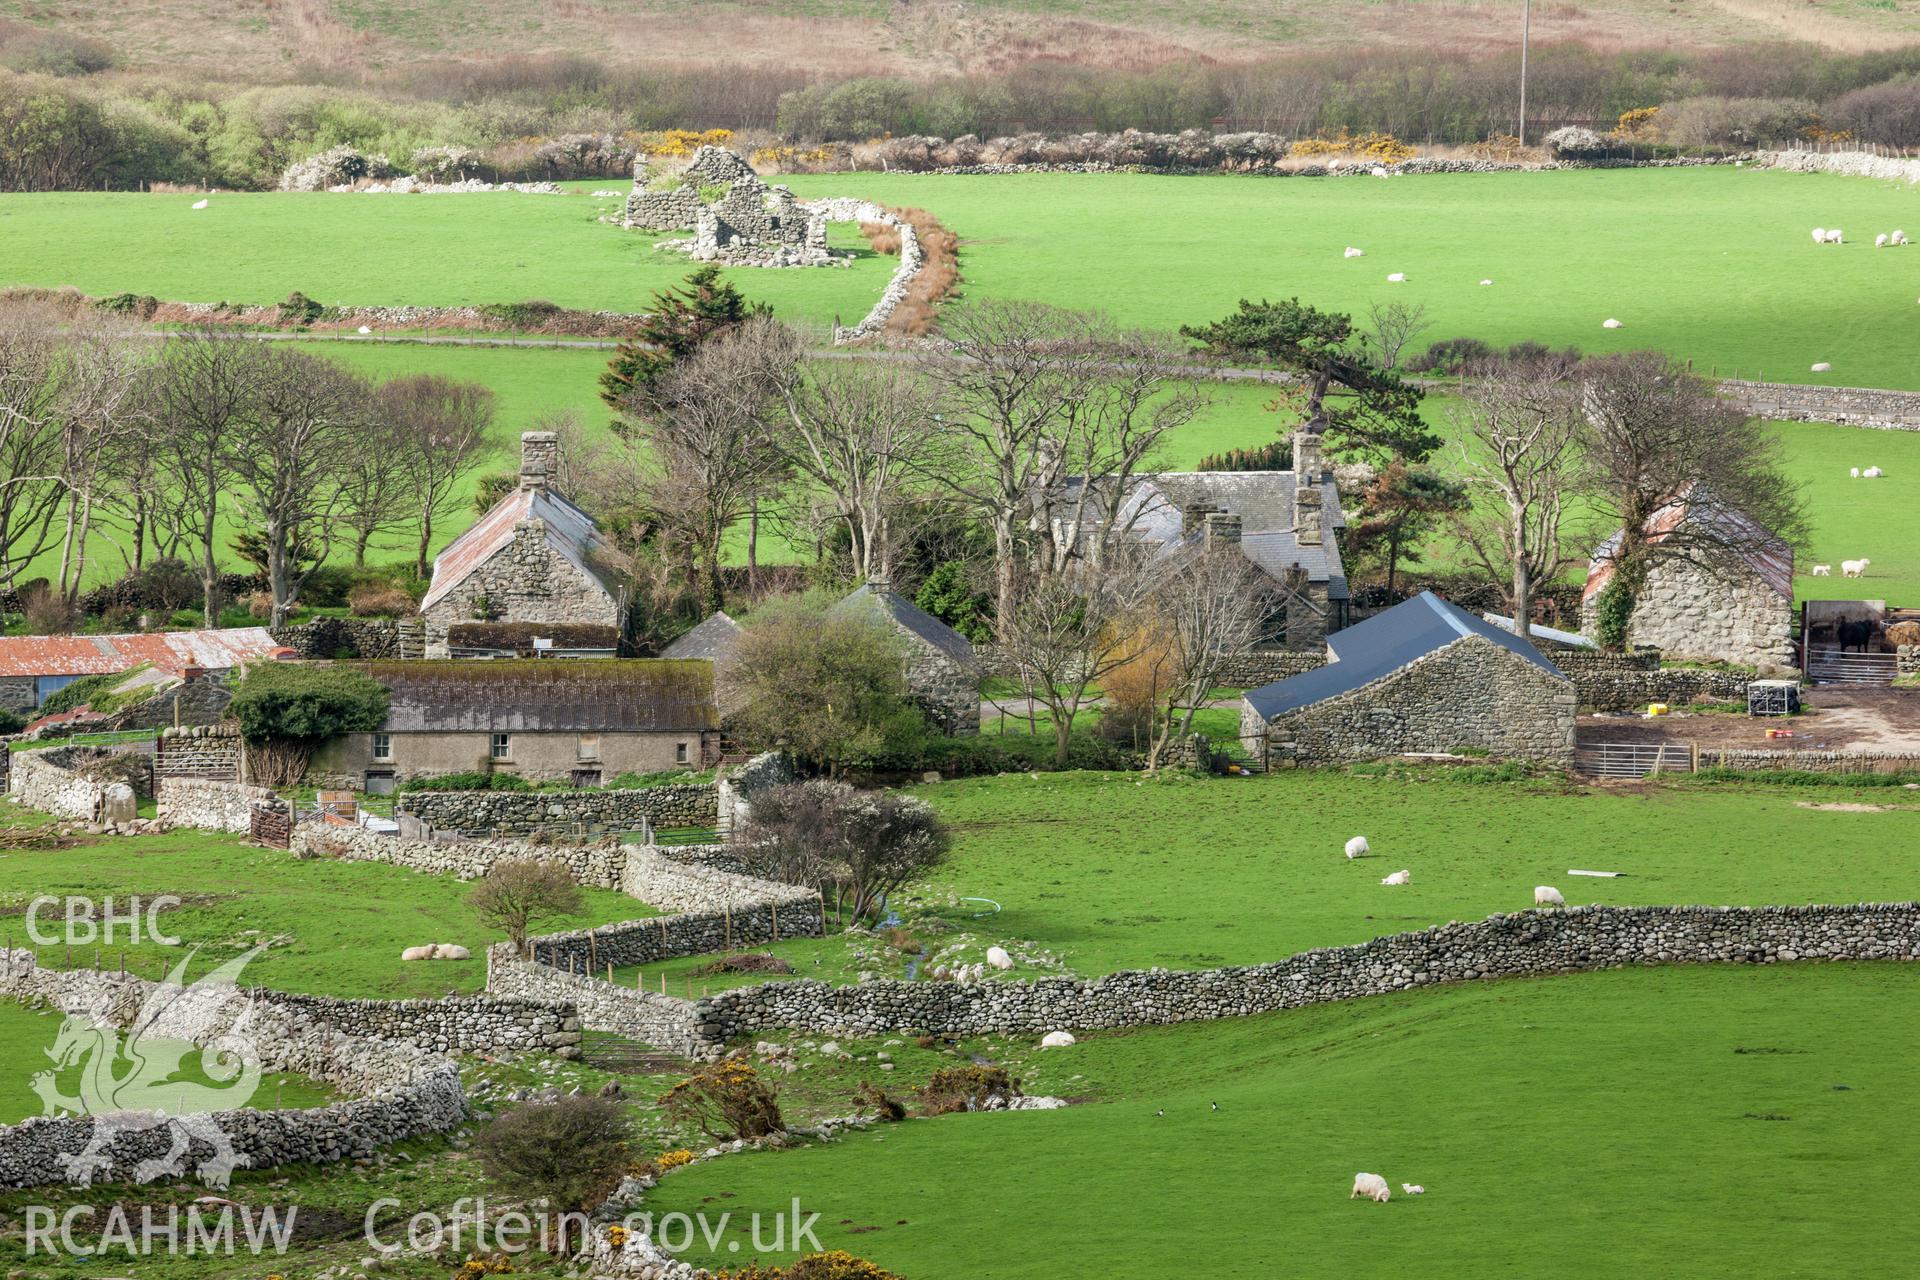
[
  {"x": 611, "y": 695},
  {"x": 1381, "y": 645},
  {"x": 1770, "y": 558},
  {"x": 168, "y": 651},
  {"x": 569, "y": 531}
]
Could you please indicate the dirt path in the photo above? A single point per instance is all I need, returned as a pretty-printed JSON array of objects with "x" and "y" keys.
[{"x": 1835, "y": 719}]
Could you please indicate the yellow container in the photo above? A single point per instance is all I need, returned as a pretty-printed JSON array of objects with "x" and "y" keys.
[{"x": 1658, "y": 708}]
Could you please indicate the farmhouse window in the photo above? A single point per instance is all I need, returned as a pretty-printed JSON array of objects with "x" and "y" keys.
[
  {"x": 680, "y": 753},
  {"x": 383, "y": 746},
  {"x": 589, "y": 747},
  {"x": 502, "y": 746}
]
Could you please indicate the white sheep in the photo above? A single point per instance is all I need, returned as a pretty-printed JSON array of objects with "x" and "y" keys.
[
  {"x": 1873, "y": 473},
  {"x": 1056, "y": 1040},
  {"x": 199, "y": 204},
  {"x": 1358, "y": 847},
  {"x": 1610, "y": 323},
  {"x": 1880, "y": 241},
  {"x": 1854, "y": 472},
  {"x": 1822, "y": 366},
  {"x": 998, "y": 958},
  {"x": 1819, "y": 235},
  {"x": 365, "y": 329},
  {"x": 1354, "y": 253},
  {"x": 1413, "y": 1188},
  {"x": 417, "y": 953},
  {"x": 1545, "y": 895},
  {"x": 1485, "y": 283},
  {"x": 1372, "y": 1186},
  {"x": 1823, "y": 571},
  {"x": 1898, "y": 237},
  {"x": 1834, "y": 236},
  {"x": 450, "y": 951},
  {"x": 1378, "y": 171},
  {"x": 1398, "y": 277},
  {"x": 1854, "y": 568},
  {"x": 1399, "y": 877}
]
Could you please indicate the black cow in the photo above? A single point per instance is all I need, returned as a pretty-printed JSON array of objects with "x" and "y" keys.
[{"x": 1857, "y": 633}]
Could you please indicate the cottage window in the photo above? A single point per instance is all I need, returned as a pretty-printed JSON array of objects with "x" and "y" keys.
[
  {"x": 383, "y": 746},
  {"x": 589, "y": 748},
  {"x": 502, "y": 746},
  {"x": 680, "y": 753}
]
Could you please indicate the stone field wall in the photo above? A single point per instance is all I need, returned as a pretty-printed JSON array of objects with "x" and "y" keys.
[
  {"x": 37, "y": 780},
  {"x": 1850, "y": 406},
  {"x": 209, "y": 804},
  {"x": 1256, "y": 667},
  {"x": 1811, "y": 761},
  {"x": 1624, "y": 681},
  {"x": 524, "y": 812}
]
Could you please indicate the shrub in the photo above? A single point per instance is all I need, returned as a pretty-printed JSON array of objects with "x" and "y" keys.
[
  {"x": 1575, "y": 143},
  {"x": 76, "y": 695},
  {"x": 835, "y": 1264},
  {"x": 535, "y": 313},
  {"x": 951, "y": 595},
  {"x": 380, "y": 600},
  {"x": 286, "y": 709},
  {"x": 965, "y": 1089},
  {"x": 1613, "y": 616},
  {"x": 1450, "y": 357},
  {"x": 259, "y": 605},
  {"x": 725, "y": 1100},
  {"x": 1887, "y": 113},
  {"x": 517, "y": 891},
  {"x": 11, "y": 721},
  {"x": 1276, "y": 455},
  {"x": 1709, "y": 121},
  {"x": 47, "y": 612},
  {"x": 871, "y": 1098},
  {"x": 569, "y": 1152},
  {"x": 468, "y": 782},
  {"x": 299, "y": 311},
  {"x": 871, "y": 842}
]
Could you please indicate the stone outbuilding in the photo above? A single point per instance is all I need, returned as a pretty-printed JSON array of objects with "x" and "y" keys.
[
  {"x": 1739, "y": 612},
  {"x": 534, "y": 558},
  {"x": 542, "y": 720},
  {"x": 710, "y": 641},
  {"x": 1424, "y": 676},
  {"x": 34, "y": 667},
  {"x": 734, "y": 215},
  {"x": 943, "y": 673}
]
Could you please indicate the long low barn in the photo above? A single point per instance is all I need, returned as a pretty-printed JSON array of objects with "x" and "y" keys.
[{"x": 33, "y": 667}]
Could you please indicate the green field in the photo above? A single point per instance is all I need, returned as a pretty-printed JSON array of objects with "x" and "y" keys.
[
  {"x": 26, "y": 1034},
  {"x": 1698, "y": 1122},
  {"x": 344, "y": 924}
]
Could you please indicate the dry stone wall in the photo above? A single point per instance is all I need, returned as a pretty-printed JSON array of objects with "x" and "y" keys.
[
  {"x": 601, "y": 866},
  {"x": 665, "y": 1022},
  {"x": 1849, "y": 406},
  {"x": 1812, "y": 761},
  {"x": 200, "y": 751},
  {"x": 1256, "y": 667},
  {"x": 209, "y": 804},
  {"x": 1623, "y": 681},
  {"x": 38, "y": 780},
  {"x": 1527, "y": 943},
  {"x": 525, "y": 812}
]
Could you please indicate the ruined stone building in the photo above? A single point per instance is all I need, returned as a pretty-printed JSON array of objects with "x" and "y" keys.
[
  {"x": 734, "y": 215},
  {"x": 1287, "y": 523},
  {"x": 1424, "y": 676},
  {"x": 535, "y": 559},
  {"x": 1727, "y": 608}
]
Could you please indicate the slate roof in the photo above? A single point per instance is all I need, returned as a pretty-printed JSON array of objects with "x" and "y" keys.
[
  {"x": 1770, "y": 558},
  {"x": 1262, "y": 499},
  {"x": 1383, "y": 644},
  {"x": 710, "y": 639},
  {"x": 168, "y": 651},
  {"x": 570, "y": 532},
  {"x": 547, "y": 695},
  {"x": 910, "y": 617}
]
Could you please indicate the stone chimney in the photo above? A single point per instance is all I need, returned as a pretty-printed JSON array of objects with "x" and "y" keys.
[
  {"x": 1223, "y": 530},
  {"x": 1193, "y": 515},
  {"x": 1308, "y": 519},
  {"x": 880, "y": 583},
  {"x": 539, "y": 459},
  {"x": 1306, "y": 453}
]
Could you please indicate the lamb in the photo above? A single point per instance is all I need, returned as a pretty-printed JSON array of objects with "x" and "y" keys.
[
  {"x": 1372, "y": 1186},
  {"x": 1823, "y": 571},
  {"x": 1873, "y": 473},
  {"x": 1484, "y": 283},
  {"x": 1358, "y": 847},
  {"x": 1609, "y": 323},
  {"x": 1399, "y": 877},
  {"x": 1398, "y": 277},
  {"x": 1854, "y": 472},
  {"x": 1413, "y": 1188},
  {"x": 1819, "y": 235},
  {"x": 998, "y": 958},
  {"x": 1834, "y": 236},
  {"x": 417, "y": 953},
  {"x": 1354, "y": 253},
  {"x": 1880, "y": 241},
  {"x": 1378, "y": 171},
  {"x": 1854, "y": 568},
  {"x": 1898, "y": 237},
  {"x": 199, "y": 204},
  {"x": 1822, "y": 367},
  {"x": 450, "y": 951},
  {"x": 1056, "y": 1040},
  {"x": 1545, "y": 895}
]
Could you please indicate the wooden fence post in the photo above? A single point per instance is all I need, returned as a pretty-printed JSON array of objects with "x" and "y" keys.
[{"x": 775, "y": 908}]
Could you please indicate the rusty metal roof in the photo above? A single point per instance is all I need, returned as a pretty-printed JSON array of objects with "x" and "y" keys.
[
  {"x": 168, "y": 651},
  {"x": 570, "y": 532},
  {"x": 1769, "y": 558}
]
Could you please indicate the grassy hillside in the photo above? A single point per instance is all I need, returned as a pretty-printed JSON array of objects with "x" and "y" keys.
[{"x": 1706, "y": 1122}]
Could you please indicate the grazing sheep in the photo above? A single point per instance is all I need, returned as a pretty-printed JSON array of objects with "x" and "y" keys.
[
  {"x": 1358, "y": 847},
  {"x": 1822, "y": 367},
  {"x": 1898, "y": 237},
  {"x": 1854, "y": 472},
  {"x": 1372, "y": 1186},
  {"x": 1056, "y": 1040},
  {"x": 1880, "y": 241},
  {"x": 1378, "y": 171},
  {"x": 417, "y": 953},
  {"x": 1413, "y": 1188},
  {"x": 1873, "y": 473},
  {"x": 1823, "y": 571},
  {"x": 998, "y": 958},
  {"x": 1609, "y": 323},
  {"x": 1834, "y": 236},
  {"x": 1545, "y": 895},
  {"x": 1819, "y": 235},
  {"x": 1354, "y": 253},
  {"x": 450, "y": 951},
  {"x": 1485, "y": 283},
  {"x": 1399, "y": 877},
  {"x": 1398, "y": 277},
  {"x": 1854, "y": 568}
]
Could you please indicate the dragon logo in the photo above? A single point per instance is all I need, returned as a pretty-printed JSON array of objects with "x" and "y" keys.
[{"x": 132, "y": 1082}]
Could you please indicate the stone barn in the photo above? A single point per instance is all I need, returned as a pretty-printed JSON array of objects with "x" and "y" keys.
[
  {"x": 1740, "y": 613},
  {"x": 710, "y": 641},
  {"x": 535, "y": 558},
  {"x": 1424, "y": 676},
  {"x": 943, "y": 674}
]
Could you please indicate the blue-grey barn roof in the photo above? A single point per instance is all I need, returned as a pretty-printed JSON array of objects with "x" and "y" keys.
[
  {"x": 912, "y": 618},
  {"x": 711, "y": 639},
  {"x": 1383, "y": 644}
]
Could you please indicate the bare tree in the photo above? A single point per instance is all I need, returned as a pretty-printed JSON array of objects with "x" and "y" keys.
[
  {"x": 1214, "y": 604},
  {"x": 203, "y": 390},
  {"x": 1657, "y": 440},
  {"x": 1517, "y": 430},
  {"x": 438, "y": 433},
  {"x": 286, "y": 457},
  {"x": 1039, "y": 395},
  {"x": 107, "y": 424},
  {"x": 517, "y": 891},
  {"x": 1395, "y": 324},
  {"x": 35, "y": 398}
]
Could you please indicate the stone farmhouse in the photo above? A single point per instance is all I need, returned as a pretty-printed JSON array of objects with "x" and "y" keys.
[
  {"x": 577, "y": 722},
  {"x": 535, "y": 559},
  {"x": 943, "y": 673},
  {"x": 1740, "y": 613},
  {"x": 1423, "y": 676},
  {"x": 734, "y": 215},
  {"x": 1289, "y": 529},
  {"x": 33, "y": 667}
]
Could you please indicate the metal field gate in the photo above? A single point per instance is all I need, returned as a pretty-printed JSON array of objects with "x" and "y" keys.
[{"x": 1633, "y": 759}]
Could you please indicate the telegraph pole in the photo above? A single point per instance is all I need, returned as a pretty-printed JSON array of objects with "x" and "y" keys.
[{"x": 1526, "y": 32}]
